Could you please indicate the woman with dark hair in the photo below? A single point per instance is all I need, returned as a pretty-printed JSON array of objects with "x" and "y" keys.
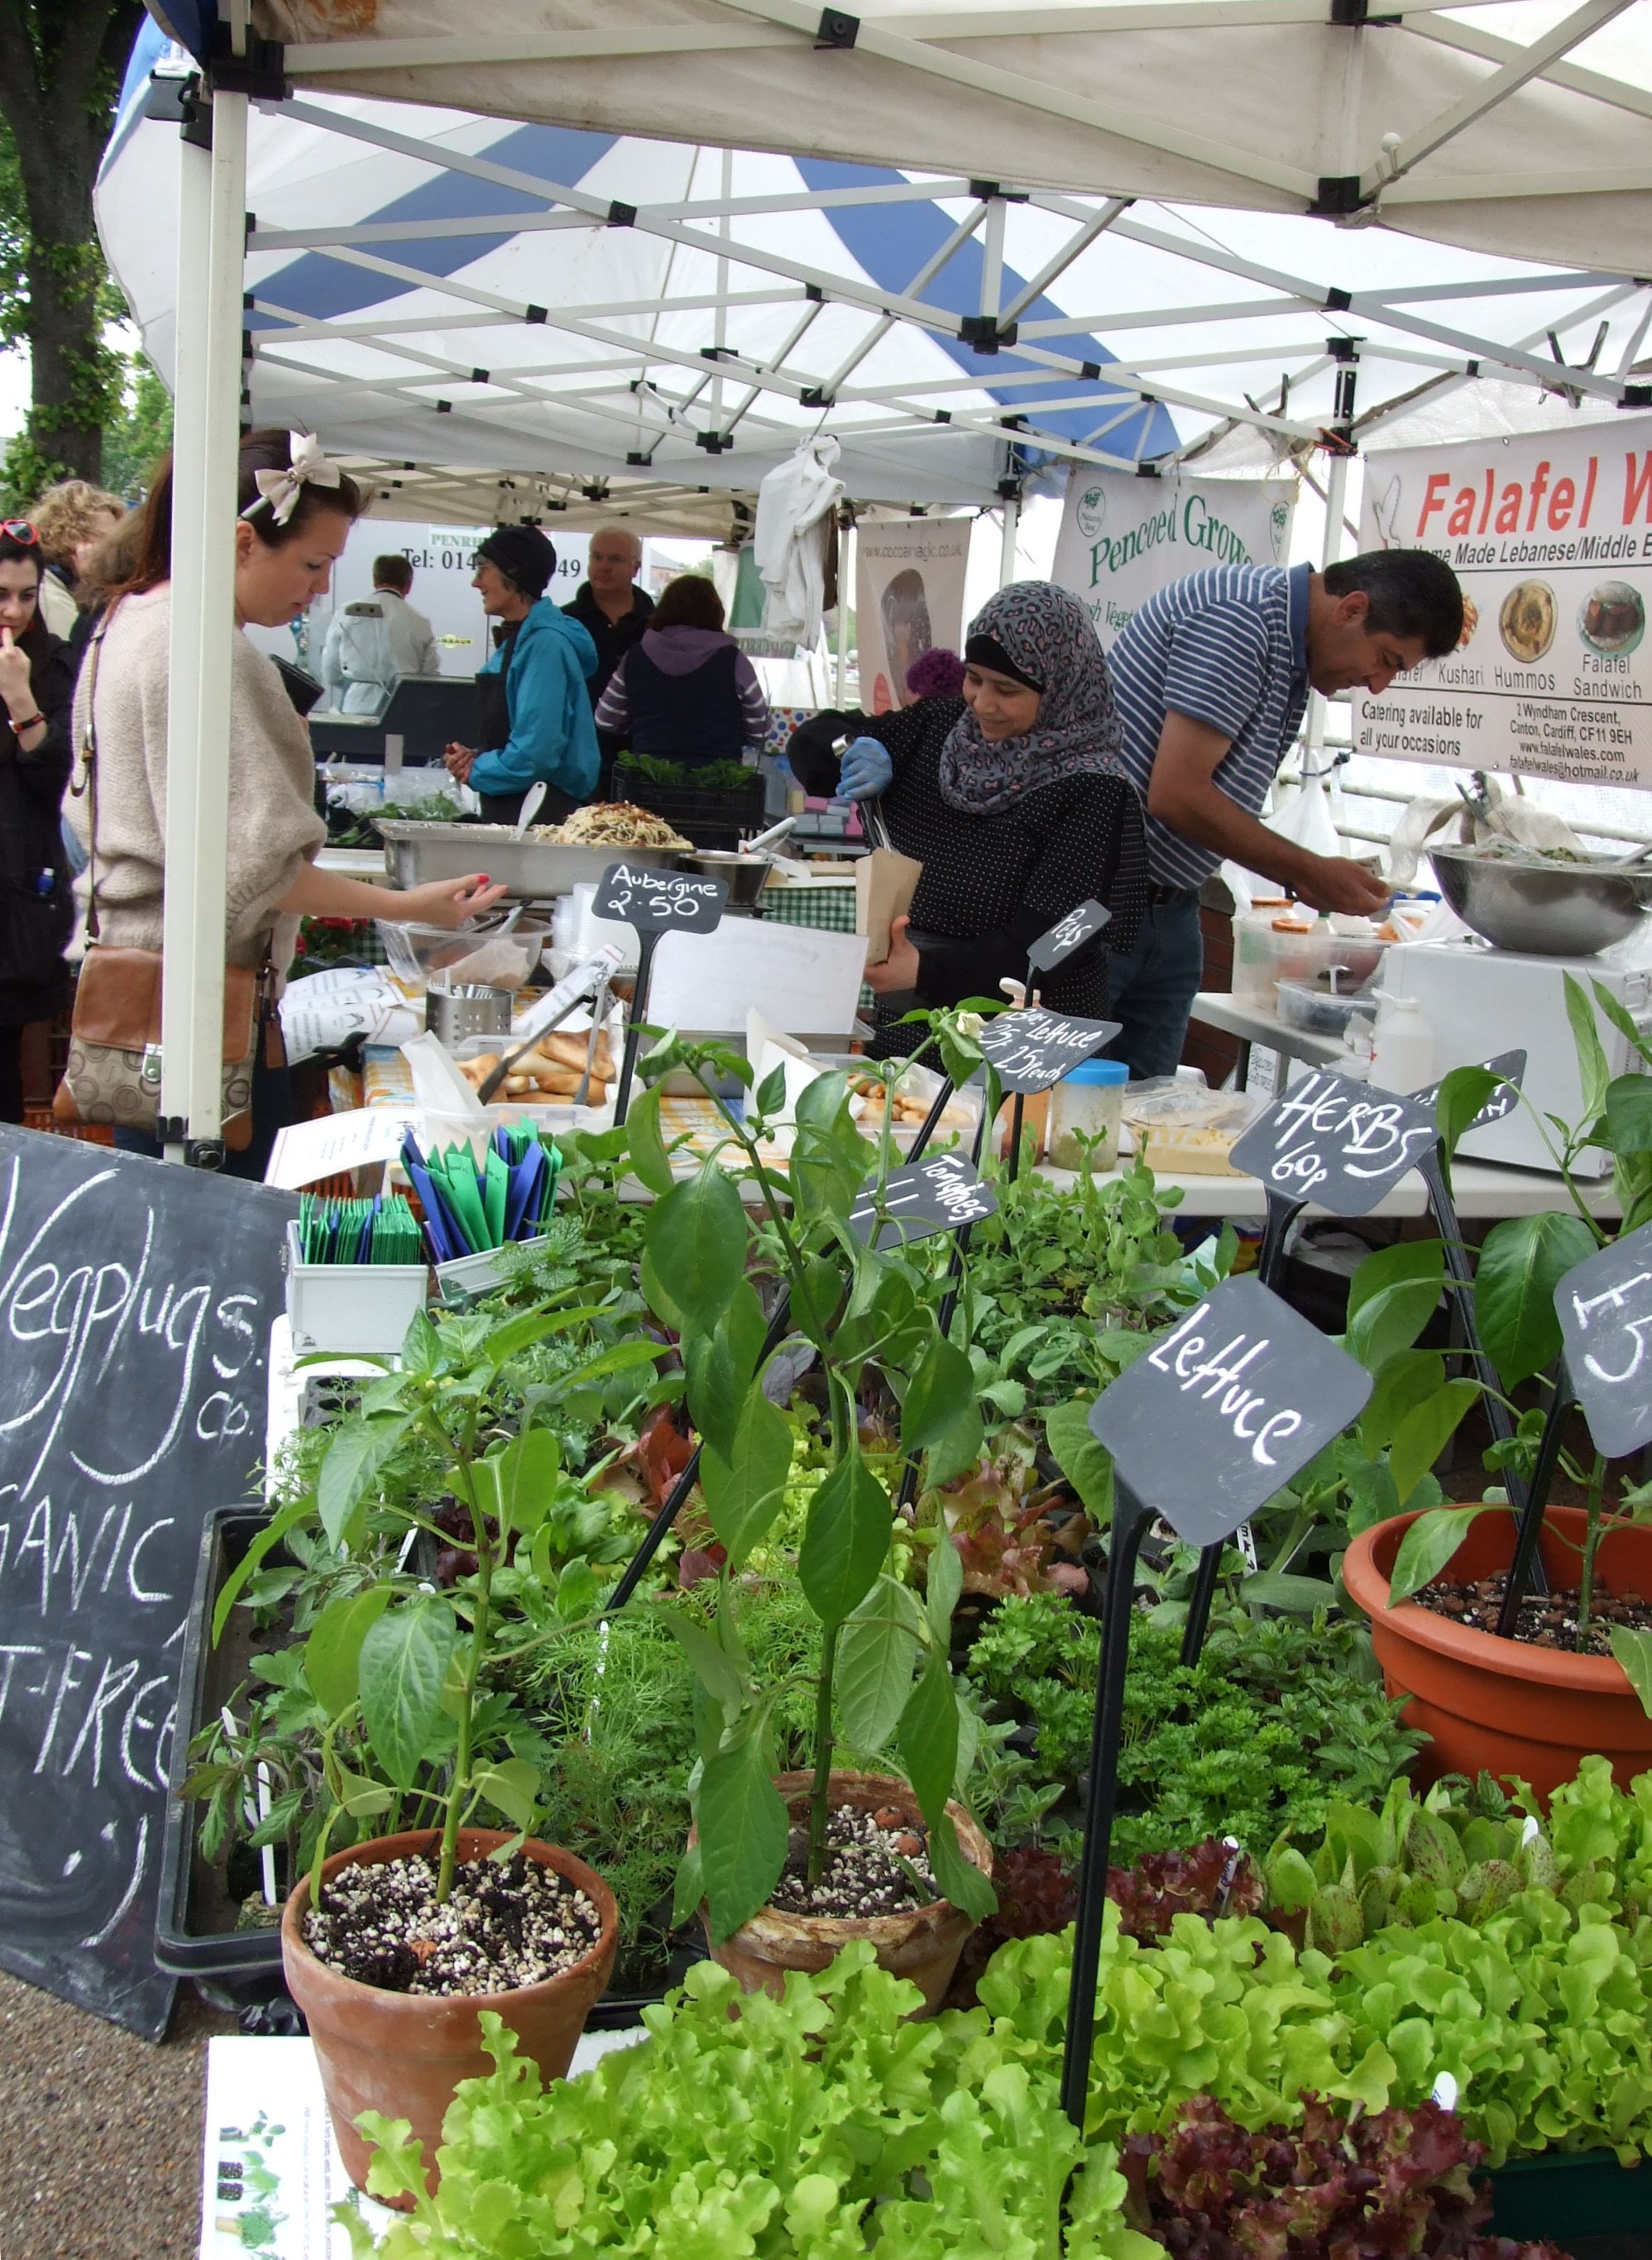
[
  {"x": 686, "y": 692},
  {"x": 37, "y": 910},
  {"x": 295, "y": 511},
  {"x": 1012, "y": 799}
]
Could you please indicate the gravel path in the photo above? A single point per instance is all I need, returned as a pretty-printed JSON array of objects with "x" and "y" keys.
[{"x": 100, "y": 2132}]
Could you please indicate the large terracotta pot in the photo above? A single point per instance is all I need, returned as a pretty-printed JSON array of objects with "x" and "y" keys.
[
  {"x": 923, "y": 1946},
  {"x": 1504, "y": 1704},
  {"x": 403, "y": 2054}
]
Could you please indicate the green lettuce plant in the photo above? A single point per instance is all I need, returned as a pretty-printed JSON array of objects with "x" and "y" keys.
[{"x": 871, "y": 1316}]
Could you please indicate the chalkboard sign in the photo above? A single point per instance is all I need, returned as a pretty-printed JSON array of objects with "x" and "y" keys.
[
  {"x": 1211, "y": 1421},
  {"x": 659, "y": 902},
  {"x": 1337, "y": 1142},
  {"x": 1032, "y": 1049},
  {"x": 1504, "y": 1099},
  {"x": 939, "y": 1194},
  {"x": 135, "y": 1307},
  {"x": 1068, "y": 935},
  {"x": 1605, "y": 1308}
]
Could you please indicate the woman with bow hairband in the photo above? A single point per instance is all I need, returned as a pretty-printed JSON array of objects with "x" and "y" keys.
[{"x": 295, "y": 511}]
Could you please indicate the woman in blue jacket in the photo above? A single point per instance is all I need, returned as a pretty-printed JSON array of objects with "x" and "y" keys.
[{"x": 536, "y": 720}]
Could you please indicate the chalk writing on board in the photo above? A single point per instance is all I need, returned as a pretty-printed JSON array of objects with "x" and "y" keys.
[
  {"x": 135, "y": 1305},
  {"x": 658, "y": 901},
  {"x": 1068, "y": 935},
  {"x": 939, "y": 1194},
  {"x": 1337, "y": 1141},
  {"x": 1504, "y": 1099},
  {"x": 1033, "y": 1049},
  {"x": 1605, "y": 1308},
  {"x": 1215, "y": 1418}
]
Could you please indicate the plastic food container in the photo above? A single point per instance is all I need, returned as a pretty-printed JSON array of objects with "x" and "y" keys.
[
  {"x": 364, "y": 1309},
  {"x": 501, "y": 954},
  {"x": 1271, "y": 946},
  {"x": 1087, "y": 1104},
  {"x": 1327, "y": 1005},
  {"x": 1183, "y": 1127}
]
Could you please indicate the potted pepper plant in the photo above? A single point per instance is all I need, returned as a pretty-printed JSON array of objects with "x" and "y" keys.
[
  {"x": 1574, "y": 1676},
  {"x": 393, "y": 1947},
  {"x": 789, "y": 1869}
]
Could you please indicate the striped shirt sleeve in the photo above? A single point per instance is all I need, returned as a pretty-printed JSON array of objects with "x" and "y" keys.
[
  {"x": 1216, "y": 668},
  {"x": 613, "y": 708},
  {"x": 753, "y": 705}
]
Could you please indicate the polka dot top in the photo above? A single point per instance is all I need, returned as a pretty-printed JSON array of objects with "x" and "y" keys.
[{"x": 992, "y": 885}]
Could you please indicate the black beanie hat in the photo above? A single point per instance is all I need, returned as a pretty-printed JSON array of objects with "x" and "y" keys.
[
  {"x": 986, "y": 651},
  {"x": 523, "y": 555}
]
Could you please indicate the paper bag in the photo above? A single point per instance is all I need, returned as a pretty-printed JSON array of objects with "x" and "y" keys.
[{"x": 884, "y": 884}]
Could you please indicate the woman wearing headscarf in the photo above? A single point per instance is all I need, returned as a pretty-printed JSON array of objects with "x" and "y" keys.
[{"x": 1012, "y": 799}]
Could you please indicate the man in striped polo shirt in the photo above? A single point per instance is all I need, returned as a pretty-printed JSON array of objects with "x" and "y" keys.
[{"x": 1211, "y": 676}]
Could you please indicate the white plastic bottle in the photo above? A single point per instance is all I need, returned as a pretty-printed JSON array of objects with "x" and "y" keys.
[{"x": 1402, "y": 1047}]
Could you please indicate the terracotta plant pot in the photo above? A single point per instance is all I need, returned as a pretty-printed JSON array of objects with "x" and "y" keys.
[
  {"x": 403, "y": 2054},
  {"x": 923, "y": 1946},
  {"x": 1507, "y": 1706}
]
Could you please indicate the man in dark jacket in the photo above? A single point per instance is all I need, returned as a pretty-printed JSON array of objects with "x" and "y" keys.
[{"x": 614, "y": 612}]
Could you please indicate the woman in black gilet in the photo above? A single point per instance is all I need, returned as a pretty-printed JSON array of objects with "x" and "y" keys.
[{"x": 686, "y": 692}]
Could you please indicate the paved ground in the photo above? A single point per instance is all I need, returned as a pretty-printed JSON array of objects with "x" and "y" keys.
[{"x": 100, "y": 2132}]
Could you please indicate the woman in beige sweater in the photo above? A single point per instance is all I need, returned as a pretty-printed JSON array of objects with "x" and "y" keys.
[{"x": 295, "y": 510}]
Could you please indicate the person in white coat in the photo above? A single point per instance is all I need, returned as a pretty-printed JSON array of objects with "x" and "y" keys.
[{"x": 373, "y": 642}]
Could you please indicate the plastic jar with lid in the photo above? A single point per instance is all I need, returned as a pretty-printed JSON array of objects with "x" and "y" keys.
[{"x": 1089, "y": 1102}]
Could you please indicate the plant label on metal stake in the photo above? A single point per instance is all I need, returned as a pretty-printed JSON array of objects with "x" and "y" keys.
[
  {"x": 1605, "y": 1308},
  {"x": 1068, "y": 935},
  {"x": 1033, "y": 1049},
  {"x": 1504, "y": 1099},
  {"x": 659, "y": 902},
  {"x": 940, "y": 1194},
  {"x": 1211, "y": 1421},
  {"x": 652, "y": 903},
  {"x": 1336, "y": 1142},
  {"x": 1201, "y": 1427}
]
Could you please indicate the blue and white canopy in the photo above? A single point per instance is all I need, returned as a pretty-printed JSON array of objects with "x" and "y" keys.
[{"x": 494, "y": 316}]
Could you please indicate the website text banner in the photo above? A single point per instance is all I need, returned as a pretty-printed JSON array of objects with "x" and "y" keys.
[
  {"x": 909, "y": 574},
  {"x": 1551, "y": 538},
  {"x": 1122, "y": 539}
]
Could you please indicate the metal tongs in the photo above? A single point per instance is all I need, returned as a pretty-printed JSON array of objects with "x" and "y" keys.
[{"x": 587, "y": 980}]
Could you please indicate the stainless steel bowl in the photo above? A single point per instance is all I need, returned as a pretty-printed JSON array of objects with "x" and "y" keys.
[
  {"x": 1557, "y": 909},
  {"x": 744, "y": 875}
]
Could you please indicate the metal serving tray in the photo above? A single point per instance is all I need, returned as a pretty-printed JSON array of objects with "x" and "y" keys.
[{"x": 416, "y": 853}]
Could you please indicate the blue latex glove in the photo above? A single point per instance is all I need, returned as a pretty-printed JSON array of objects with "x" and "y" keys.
[{"x": 865, "y": 770}]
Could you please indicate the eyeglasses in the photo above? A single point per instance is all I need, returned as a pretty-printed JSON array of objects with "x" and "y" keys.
[{"x": 19, "y": 529}]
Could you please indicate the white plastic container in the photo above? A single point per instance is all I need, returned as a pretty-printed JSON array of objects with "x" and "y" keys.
[
  {"x": 1089, "y": 1102},
  {"x": 363, "y": 1310},
  {"x": 1402, "y": 1047}
]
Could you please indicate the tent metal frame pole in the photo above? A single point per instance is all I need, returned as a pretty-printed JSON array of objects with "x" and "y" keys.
[
  {"x": 846, "y": 566},
  {"x": 212, "y": 200},
  {"x": 1006, "y": 544}
]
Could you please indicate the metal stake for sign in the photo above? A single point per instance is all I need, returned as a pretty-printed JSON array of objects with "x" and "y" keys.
[
  {"x": 1130, "y": 1520},
  {"x": 1282, "y": 1212},
  {"x": 1526, "y": 1559},
  {"x": 647, "y": 944},
  {"x": 908, "y": 1490}
]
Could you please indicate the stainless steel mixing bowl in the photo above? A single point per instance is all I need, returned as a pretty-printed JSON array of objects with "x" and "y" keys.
[
  {"x": 1557, "y": 909},
  {"x": 744, "y": 875}
]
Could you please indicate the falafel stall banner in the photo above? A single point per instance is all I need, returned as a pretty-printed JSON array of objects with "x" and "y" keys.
[
  {"x": 1123, "y": 538},
  {"x": 1551, "y": 538},
  {"x": 909, "y": 574}
]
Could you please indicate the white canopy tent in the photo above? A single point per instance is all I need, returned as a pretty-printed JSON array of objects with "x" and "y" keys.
[{"x": 580, "y": 309}]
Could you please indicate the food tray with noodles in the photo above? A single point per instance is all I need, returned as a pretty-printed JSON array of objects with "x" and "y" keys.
[
  {"x": 530, "y": 869},
  {"x": 614, "y": 824}
]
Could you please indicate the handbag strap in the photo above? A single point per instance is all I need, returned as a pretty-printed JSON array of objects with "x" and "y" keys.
[{"x": 87, "y": 782}]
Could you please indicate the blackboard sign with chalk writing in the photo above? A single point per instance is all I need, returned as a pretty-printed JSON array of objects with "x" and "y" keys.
[
  {"x": 136, "y": 1301},
  {"x": 1032, "y": 1049},
  {"x": 1215, "y": 1418},
  {"x": 1605, "y": 1308},
  {"x": 1504, "y": 1099},
  {"x": 939, "y": 1194},
  {"x": 659, "y": 902},
  {"x": 1338, "y": 1143},
  {"x": 1068, "y": 935}
]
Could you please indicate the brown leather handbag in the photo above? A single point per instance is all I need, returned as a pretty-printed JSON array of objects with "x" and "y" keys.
[{"x": 113, "y": 1073}]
